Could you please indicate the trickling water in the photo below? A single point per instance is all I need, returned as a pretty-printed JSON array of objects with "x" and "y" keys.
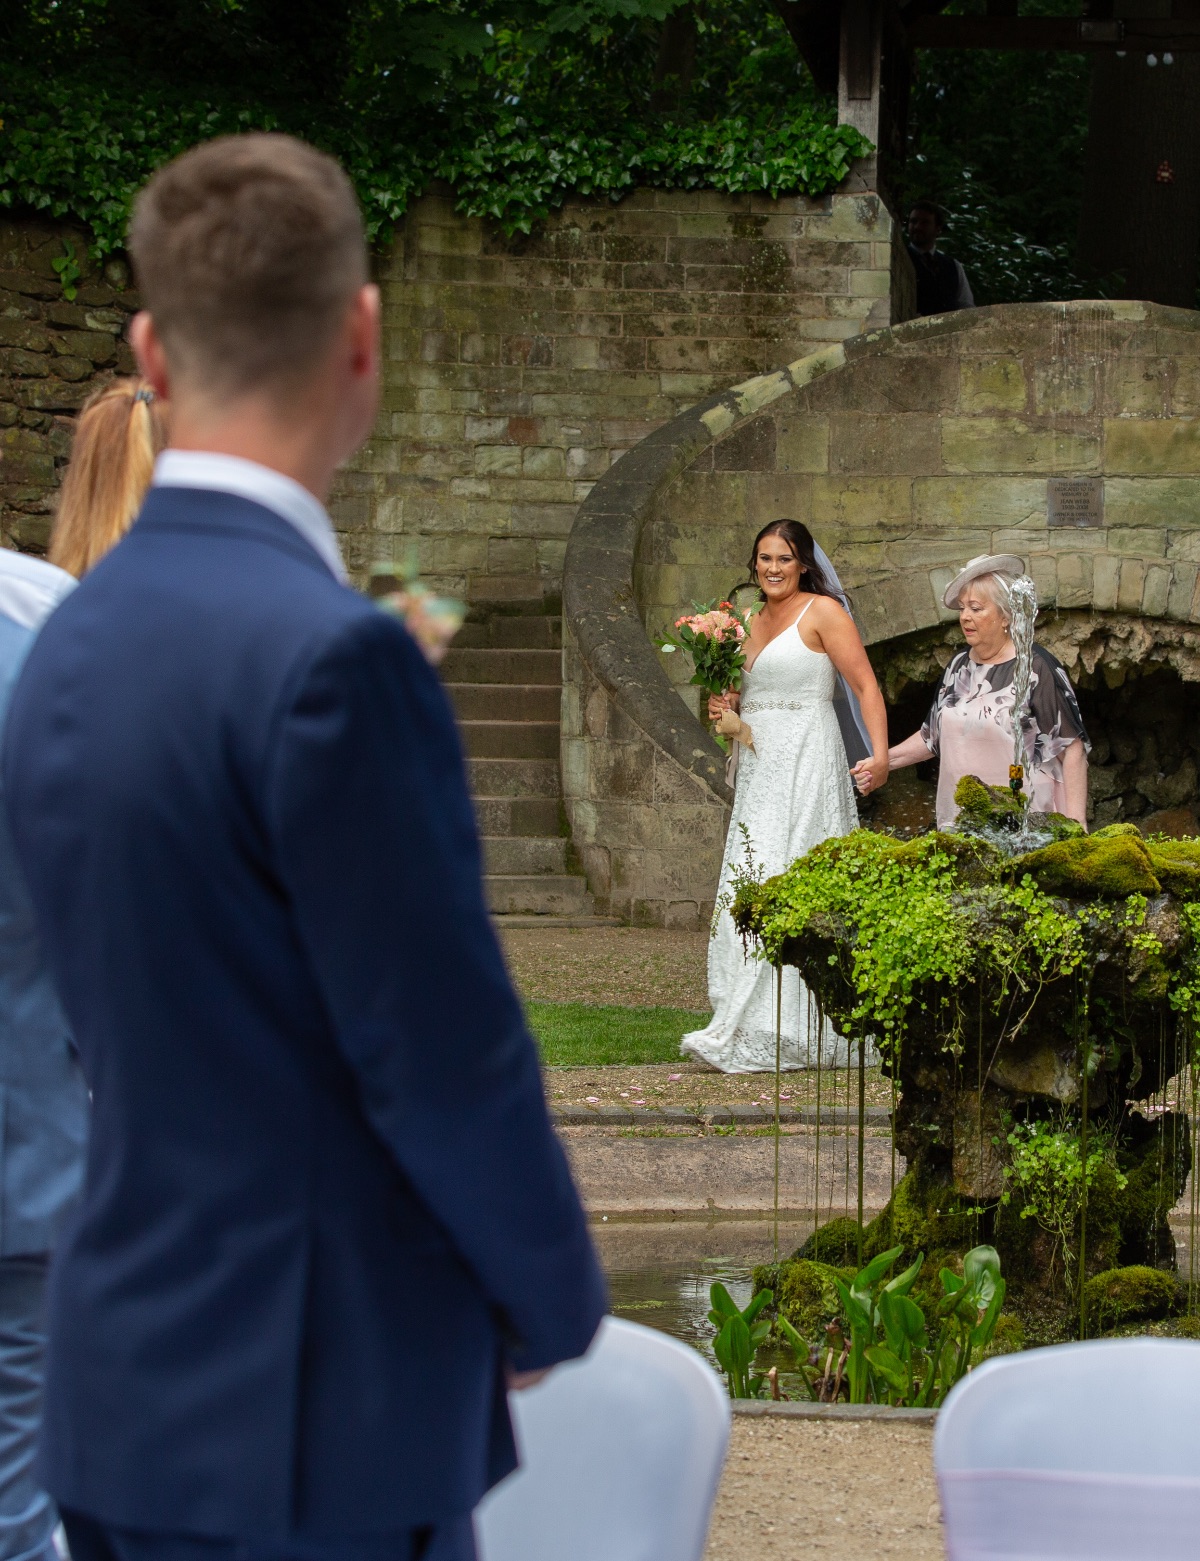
[{"x": 1023, "y": 606}]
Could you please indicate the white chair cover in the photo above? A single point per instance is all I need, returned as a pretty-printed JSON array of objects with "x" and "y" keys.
[
  {"x": 1083, "y": 1451},
  {"x": 621, "y": 1455}
]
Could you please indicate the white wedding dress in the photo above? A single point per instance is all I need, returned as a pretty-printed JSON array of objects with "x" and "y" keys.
[{"x": 793, "y": 791}]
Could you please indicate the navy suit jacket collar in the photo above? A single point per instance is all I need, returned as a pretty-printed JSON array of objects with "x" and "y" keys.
[{"x": 225, "y": 515}]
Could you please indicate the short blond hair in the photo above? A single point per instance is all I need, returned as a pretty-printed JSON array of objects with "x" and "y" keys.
[
  {"x": 996, "y": 586},
  {"x": 248, "y": 251},
  {"x": 119, "y": 433}
]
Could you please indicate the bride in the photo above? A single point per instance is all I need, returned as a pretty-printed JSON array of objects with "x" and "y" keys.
[{"x": 793, "y": 786}]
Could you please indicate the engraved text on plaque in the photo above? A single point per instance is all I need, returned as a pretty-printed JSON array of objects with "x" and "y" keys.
[{"x": 1075, "y": 501}]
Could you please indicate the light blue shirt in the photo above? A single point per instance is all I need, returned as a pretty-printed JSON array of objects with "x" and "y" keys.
[{"x": 43, "y": 1097}]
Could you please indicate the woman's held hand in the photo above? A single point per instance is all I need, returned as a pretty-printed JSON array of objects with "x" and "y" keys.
[
  {"x": 870, "y": 774},
  {"x": 719, "y": 703}
]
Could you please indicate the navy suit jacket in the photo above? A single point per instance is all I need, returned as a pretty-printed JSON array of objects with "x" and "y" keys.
[
  {"x": 43, "y": 1098},
  {"x": 324, "y": 1204}
]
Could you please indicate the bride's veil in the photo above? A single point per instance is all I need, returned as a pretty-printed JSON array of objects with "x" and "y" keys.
[{"x": 845, "y": 701}]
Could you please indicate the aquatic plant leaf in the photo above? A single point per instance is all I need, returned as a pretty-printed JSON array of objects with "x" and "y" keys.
[
  {"x": 904, "y": 1282},
  {"x": 981, "y": 1334},
  {"x": 890, "y": 1367},
  {"x": 867, "y": 1278},
  {"x": 723, "y": 1304},
  {"x": 763, "y": 1298},
  {"x": 981, "y": 1272}
]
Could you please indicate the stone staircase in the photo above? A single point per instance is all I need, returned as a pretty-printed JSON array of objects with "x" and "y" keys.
[{"x": 504, "y": 675}]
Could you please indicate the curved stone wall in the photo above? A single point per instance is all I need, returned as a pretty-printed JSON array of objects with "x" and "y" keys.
[{"x": 907, "y": 451}]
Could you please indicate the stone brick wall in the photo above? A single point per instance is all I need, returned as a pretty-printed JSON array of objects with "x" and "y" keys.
[
  {"x": 518, "y": 371},
  {"x": 907, "y": 451},
  {"x": 53, "y": 353},
  {"x": 515, "y": 371}
]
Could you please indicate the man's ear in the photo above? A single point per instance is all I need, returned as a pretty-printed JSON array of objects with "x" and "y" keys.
[
  {"x": 366, "y": 330},
  {"x": 148, "y": 351}
]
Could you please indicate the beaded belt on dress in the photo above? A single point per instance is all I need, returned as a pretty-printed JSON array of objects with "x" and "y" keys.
[{"x": 752, "y": 706}]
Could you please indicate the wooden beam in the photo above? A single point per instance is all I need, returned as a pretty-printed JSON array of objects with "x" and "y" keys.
[
  {"x": 815, "y": 28},
  {"x": 1070, "y": 33}
]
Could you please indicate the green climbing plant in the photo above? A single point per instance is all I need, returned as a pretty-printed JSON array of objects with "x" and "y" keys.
[{"x": 1047, "y": 1177}]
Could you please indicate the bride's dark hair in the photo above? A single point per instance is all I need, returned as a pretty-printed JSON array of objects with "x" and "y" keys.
[{"x": 800, "y": 539}]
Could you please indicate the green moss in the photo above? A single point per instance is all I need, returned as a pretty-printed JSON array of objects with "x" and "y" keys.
[
  {"x": 1176, "y": 864},
  {"x": 804, "y": 1293},
  {"x": 1125, "y": 1295},
  {"x": 985, "y": 807},
  {"x": 1113, "y": 866},
  {"x": 1008, "y": 1338},
  {"x": 1153, "y": 1156},
  {"x": 835, "y": 1242},
  {"x": 922, "y": 1215}
]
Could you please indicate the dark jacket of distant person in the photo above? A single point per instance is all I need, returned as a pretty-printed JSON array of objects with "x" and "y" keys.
[
  {"x": 238, "y": 794},
  {"x": 942, "y": 283}
]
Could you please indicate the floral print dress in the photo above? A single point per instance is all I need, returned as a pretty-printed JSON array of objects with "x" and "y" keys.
[{"x": 969, "y": 727}]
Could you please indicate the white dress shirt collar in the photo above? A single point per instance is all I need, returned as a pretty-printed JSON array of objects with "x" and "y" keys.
[{"x": 259, "y": 484}]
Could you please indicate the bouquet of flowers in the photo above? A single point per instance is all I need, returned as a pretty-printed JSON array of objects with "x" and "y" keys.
[
  {"x": 712, "y": 636},
  {"x": 433, "y": 621}
]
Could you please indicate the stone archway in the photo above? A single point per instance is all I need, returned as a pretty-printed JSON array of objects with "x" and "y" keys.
[{"x": 907, "y": 451}]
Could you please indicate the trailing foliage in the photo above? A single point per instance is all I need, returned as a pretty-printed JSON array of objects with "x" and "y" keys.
[
  {"x": 901, "y": 926},
  {"x": 1047, "y": 1174},
  {"x": 516, "y": 105},
  {"x": 901, "y": 917}
]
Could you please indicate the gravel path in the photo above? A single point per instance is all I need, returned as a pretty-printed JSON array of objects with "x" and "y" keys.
[
  {"x": 694, "y": 1086},
  {"x": 799, "y": 1489},
  {"x": 635, "y": 967}
]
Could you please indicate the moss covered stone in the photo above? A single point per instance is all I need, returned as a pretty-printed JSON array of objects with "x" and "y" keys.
[
  {"x": 1089, "y": 864},
  {"x": 1126, "y": 1295},
  {"x": 1176, "y": 865},
  {"x": 834, "y": 1242},
  {"x": 805, "y": 1293}
]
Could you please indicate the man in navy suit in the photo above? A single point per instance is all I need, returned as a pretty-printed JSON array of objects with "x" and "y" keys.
[{"x": 325, "y": 1218}]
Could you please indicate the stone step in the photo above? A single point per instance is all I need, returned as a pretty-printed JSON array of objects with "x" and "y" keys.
[
  {"x": 542, "y": 667},
  {"x": 510, "y": 739},
  {"x": 524, "y": 855},
  {"x": 513, "y": 777},
  {"x": 511, "y": 634},
  {"x": 541, "y": 894},
  {"x": 518, "y": 816},
  {"x": 506, "y": 701}
]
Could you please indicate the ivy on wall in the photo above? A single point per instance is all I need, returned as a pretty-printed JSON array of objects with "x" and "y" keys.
[{"x": 518, "y": 106}]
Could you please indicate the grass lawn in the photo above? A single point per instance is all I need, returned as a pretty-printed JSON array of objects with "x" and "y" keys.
[{"x": 578, "y": 1035}]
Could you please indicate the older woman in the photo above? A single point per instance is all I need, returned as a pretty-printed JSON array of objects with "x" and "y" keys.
[{"x": 969, "y": 726}]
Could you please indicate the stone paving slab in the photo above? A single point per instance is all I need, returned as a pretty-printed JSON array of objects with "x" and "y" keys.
[{"x": 626, "y": 1172}]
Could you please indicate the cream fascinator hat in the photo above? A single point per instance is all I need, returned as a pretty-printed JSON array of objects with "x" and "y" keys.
[{"x": 985, "y": 564}]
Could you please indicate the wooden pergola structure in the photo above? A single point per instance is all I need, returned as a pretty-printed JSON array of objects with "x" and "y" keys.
[{"x": 862, "y": 49}]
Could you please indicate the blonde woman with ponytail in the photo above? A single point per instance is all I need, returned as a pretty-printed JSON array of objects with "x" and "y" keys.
[{"x": 119, "y": 434}]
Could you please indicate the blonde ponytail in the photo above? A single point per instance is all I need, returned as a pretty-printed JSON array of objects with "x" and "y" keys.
[{"x": 119, "y": 433}]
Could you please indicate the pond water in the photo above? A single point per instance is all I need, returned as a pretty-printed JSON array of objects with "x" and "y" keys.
[{"x": 659, "y": 1271}]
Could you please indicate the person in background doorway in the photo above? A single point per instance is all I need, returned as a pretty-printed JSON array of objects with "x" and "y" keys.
[
  {"x": 44, "y": 1101},
  {"x": 941, "y": 281},
  {"x": 117, "y": 439}
]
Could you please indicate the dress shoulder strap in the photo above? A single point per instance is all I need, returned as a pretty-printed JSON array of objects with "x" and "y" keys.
[{"x": 801, "y": 613}]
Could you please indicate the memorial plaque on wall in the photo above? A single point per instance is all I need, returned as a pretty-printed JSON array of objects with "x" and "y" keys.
[{"x": 1075, "y": 501}]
